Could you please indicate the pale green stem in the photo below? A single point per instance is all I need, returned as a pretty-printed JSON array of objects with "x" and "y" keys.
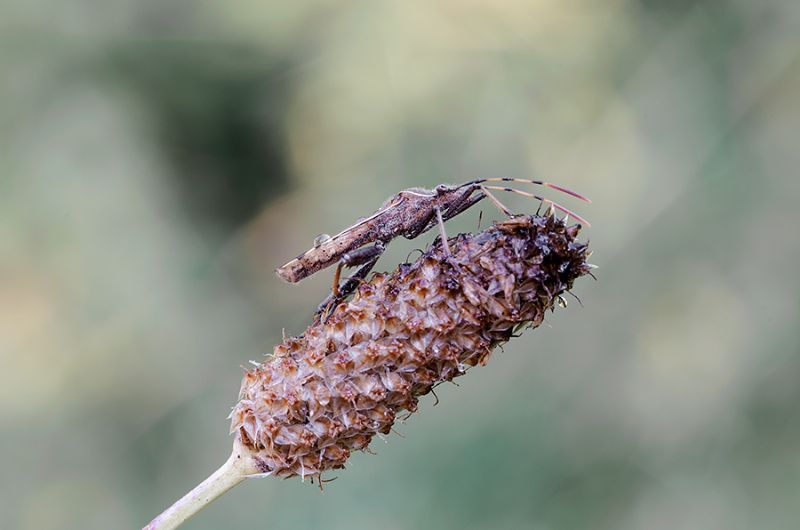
[{"x": 238, "y": 467}]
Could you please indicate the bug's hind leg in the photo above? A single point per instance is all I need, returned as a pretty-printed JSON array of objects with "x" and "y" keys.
[
  {"x": 367, "y": 257},
  {"x": 360, "y": 256},
  {"x": 347, "y": 288}
]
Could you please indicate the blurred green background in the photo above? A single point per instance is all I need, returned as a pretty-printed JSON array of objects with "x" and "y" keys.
[{"x": 159, "y": 159}]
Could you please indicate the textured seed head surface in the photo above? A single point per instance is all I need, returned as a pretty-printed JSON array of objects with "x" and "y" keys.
[{"x": 329, "y": 391}]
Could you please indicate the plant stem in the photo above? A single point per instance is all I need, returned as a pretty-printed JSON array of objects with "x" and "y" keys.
[{"x": 237, "y": 468}]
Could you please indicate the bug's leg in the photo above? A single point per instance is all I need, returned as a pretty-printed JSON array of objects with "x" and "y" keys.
[
  {"x": 337, "y": 274},
  {"x": 442, "y": 233},
  {"x": 469, "y": 200},
  {"x": 354, "y": 258},
  {"x": 367, "y": 257},
  {"x": 364, "y": 254},
  {"x": 332, "y": 300},
  {"x": 496, "y": 202},
  {"x": 466, "y": 201}
]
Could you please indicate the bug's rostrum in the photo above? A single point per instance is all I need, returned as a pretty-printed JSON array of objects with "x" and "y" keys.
[{"x": 346, "y": 378}]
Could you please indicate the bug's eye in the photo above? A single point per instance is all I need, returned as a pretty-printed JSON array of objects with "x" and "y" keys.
[
  {"x": 441, "y": 188},
  {"x": 321, "y": 239}
]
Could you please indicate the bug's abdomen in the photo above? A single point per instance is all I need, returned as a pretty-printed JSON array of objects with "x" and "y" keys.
[{"x": 325, "y": 254}]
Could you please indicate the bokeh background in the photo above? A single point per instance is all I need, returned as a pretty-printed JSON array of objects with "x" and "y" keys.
[{"x": 159, "y": 159}]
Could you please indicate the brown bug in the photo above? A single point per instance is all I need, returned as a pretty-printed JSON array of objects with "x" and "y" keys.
[{"x": 409, "y": 213}]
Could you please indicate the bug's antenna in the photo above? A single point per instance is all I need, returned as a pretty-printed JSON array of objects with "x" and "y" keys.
[
  {"x": 537, "y": 197},
  {"x": 538, "y": 183}
]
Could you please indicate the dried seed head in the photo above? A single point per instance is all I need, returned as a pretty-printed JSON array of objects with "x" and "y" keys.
[{"x": 330, "y": 390}]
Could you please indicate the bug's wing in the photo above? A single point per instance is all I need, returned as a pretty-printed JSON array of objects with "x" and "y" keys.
[
  {"x": 390, "y": 204},
  {"x": 327, "y": 253}
]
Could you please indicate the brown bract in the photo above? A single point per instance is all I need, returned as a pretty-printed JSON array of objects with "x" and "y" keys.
[{"x": 329, "y": 391}]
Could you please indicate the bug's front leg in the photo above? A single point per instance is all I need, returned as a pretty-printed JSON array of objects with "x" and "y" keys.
[
  {"x": 367, "y": 257},
  {"x": 466, "y": 203}
]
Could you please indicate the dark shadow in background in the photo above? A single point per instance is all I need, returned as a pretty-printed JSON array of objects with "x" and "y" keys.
[{"x": 219, "y": 112}]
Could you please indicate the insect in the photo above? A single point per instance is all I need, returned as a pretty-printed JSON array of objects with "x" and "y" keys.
[{"x": 409, "y": 213}]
